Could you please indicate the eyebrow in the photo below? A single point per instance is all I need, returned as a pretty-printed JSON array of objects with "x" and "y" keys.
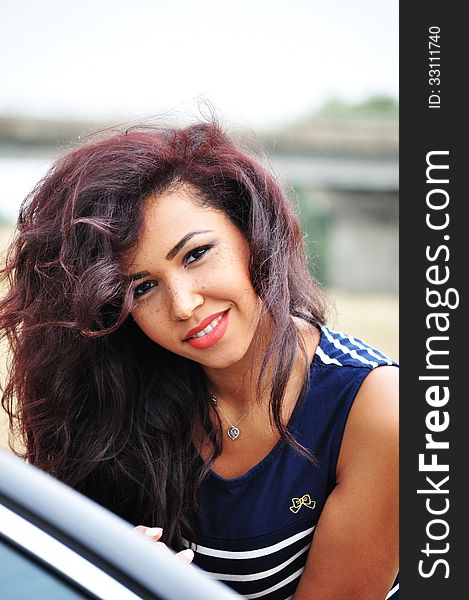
[
  {"x": 172, "y": 253},
  {"x": 138, "y": 275},
  {"x": 183, "y": 241}
]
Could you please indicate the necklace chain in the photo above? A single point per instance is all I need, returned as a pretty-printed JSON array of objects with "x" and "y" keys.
[{"x": 234, "y": 431}]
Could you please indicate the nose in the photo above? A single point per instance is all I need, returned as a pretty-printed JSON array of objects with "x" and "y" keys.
[{"x": 184, "y": 299}]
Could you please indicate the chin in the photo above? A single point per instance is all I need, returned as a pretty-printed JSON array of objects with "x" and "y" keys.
[{"x": 224, "y": 361}]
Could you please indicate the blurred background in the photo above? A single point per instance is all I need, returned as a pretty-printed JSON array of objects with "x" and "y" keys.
[{"x": 311, "y": 87}]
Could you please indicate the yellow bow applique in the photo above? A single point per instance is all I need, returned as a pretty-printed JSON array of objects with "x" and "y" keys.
[{"x": 297, "y": 503}]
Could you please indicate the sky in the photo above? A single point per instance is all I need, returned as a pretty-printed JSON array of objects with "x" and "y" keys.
[{"x": 259, "y": 63}]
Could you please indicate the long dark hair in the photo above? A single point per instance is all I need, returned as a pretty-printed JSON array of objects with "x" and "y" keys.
[{"x": 98, "y": 404}]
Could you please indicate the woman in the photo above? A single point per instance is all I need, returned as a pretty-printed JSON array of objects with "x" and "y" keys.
[{"x": 170, "y": 360}]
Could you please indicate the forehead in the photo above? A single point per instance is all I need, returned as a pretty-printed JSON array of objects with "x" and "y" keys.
[
  {"x": 176, "y": 212},
  {"x": 170, "y": 216},
  {"x": 175, "y": 204}
]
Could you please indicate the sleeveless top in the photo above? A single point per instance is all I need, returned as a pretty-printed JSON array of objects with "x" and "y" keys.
[{"x": 253, "y": 532}]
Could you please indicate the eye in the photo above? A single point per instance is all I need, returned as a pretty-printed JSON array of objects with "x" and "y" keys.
[
  {"x": 144, "y": 287},
  {"x": 196, "y": 254}
]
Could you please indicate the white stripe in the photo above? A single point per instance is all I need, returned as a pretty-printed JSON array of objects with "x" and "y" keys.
[
  {"x": 326, "y": 359},
  {"x": 376, "y": 353},
  {"x": 277, "y": 586},
  {"x": 346, "y": 350},
  {"x": 261, "y": 574},
  {"x": 393, "y": 591},
  {"x": 250, "y": 553}
]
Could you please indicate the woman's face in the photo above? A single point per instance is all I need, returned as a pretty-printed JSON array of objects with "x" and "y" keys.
[{"x": 190, "y": 271}]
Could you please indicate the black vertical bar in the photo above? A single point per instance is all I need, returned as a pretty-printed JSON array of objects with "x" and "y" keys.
[{"x": 433, "y": 261}]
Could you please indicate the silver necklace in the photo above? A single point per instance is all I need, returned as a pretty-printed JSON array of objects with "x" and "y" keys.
[{"x": 234, "y": 431}]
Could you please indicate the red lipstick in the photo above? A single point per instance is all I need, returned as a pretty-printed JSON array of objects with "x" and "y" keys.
[{"x": 213, "y": 336}]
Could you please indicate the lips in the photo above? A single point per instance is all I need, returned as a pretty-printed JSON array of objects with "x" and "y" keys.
[
  {"x": 202, "y": 325},
  {"x": 209, "y": 331}
]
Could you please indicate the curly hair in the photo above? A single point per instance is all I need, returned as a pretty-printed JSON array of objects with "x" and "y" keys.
[{"x": 98, "y": 404}]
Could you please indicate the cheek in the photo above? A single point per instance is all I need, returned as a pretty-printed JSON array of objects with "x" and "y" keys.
[
  {"x": 150, "y": 321},
  {"x": 231, "y": 272},
  {"x": 238, "y": 288}
]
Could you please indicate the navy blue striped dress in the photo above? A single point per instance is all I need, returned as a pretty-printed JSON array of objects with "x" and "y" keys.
[{"x": 254, "y": 532}]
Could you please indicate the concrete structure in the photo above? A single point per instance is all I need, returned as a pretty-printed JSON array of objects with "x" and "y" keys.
[{"x": 344, "y": 175}]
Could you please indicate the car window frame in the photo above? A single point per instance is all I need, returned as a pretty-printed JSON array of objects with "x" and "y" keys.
[
  {"x": 101, "y": 537},
  {"x": 59, "y": 559}
]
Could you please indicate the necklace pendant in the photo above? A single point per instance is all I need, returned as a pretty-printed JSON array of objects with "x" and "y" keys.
[{"x": 233, "y": 433}]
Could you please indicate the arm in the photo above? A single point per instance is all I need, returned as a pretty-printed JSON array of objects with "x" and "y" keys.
[{"x": 354, "y": 554}]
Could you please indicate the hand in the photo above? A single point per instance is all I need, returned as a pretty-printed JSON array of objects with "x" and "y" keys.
[{"x": 155, "y": 533}]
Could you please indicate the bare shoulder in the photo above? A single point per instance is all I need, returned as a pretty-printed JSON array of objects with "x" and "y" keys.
[
  {"x": 372, "y": 429},
  {"x": 378, "y": 397},
  {"x": 354, "y": 553}
]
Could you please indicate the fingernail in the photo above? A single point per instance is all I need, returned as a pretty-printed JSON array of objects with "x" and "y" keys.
[
  {"x": 188, "y": 554},
  {"x": 153, "y": 531}
]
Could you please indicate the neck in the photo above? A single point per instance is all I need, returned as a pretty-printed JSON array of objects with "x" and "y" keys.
[{"x": 236, "y": 386}]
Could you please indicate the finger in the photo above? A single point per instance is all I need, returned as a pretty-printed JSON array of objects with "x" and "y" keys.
[
  {"x": 186, "y": 555},
  {"x": 140, "y": 528},
  {"x": 154, "y": 533}
]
